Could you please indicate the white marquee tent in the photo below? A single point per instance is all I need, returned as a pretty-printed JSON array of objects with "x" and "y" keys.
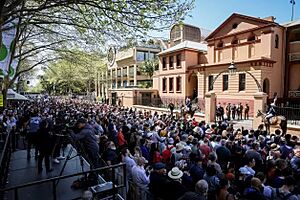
[{"x": 12, "y": 95}]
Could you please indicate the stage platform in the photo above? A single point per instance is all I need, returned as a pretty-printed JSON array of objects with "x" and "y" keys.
[{"x": 24, "y": 171}]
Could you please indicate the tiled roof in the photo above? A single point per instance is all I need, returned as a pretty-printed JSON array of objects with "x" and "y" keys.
[
  {"x": 291, "y": 23},
  {"x": 197, "y": 46}
]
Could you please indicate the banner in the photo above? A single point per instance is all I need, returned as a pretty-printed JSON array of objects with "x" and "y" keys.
[{"x": 6, "y": 48}]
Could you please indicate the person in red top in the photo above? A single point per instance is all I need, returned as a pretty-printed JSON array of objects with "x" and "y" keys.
[
  {"x": 194, "y": 122},
  {"x": 121, "y": 139},
  {"x": 154, "y": 154},
  {"x": 166, "y": 154},
  {"x": 205, "y": 150}
]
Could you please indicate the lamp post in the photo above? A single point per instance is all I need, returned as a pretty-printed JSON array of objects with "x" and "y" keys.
[{"x": 232, "y": 69}]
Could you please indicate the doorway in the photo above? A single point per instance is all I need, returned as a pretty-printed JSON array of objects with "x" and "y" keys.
[
  {"x": 113, "y": 98},
  {"x": 193, "y": 86}
]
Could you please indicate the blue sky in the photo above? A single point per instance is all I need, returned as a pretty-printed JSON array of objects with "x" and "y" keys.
[{"x": 209, "y": 14}]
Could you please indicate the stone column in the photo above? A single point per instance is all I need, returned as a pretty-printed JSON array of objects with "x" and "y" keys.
[
  {"x": 201, "y": 85},
  {"x": 210, "y": 107},
  {"x": 135, "y": 74},
  {"x": 102, "y": 90},
  {"x": 260, "y": 100}
]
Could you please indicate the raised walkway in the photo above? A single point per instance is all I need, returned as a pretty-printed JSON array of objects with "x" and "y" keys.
[{"x": 24, "y": 171}]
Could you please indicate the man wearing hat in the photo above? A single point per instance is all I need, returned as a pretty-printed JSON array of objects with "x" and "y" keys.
[
  {"x": 86, "y": 136},
  {"x": 174, "y": 186},
  {"x": 158, "y": 180}
]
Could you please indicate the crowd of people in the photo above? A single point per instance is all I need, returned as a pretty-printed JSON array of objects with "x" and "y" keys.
[{"x": 171, "y": 157}]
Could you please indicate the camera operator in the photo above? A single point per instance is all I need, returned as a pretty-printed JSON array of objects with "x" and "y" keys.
[{"x": 86, "y": 135}]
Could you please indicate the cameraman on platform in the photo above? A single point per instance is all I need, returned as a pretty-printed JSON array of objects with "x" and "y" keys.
[{"x": 86, "y": 136}]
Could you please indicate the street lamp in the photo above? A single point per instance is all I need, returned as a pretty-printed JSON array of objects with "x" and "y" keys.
[{"x": 232, "y": 69}]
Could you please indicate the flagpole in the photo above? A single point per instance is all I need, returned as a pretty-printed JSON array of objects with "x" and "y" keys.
[{"x": 293, "y": 5}]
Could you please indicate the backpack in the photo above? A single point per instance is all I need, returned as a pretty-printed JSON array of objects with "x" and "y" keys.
[{"x": 34, "y": 124}]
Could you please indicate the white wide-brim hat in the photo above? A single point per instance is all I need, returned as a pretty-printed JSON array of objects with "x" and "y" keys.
[{"x": 175, "y": 173}]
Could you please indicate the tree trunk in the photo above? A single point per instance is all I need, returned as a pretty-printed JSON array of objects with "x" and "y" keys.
[{"x": 5, "y": 86}]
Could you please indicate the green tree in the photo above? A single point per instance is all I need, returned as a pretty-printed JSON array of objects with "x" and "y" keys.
[
  {"x": 72, "y": 74},
  {"x": 149, "y": 67}
]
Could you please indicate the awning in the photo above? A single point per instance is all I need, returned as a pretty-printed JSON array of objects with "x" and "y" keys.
[{"x": 12, "y": 95}]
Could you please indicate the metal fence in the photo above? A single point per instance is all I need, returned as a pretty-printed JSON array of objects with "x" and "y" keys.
[
  {"x": 291, "y": 113},
  {"x": 199, "y": 104},
  {"x": 6, "y": 152},
  {"x": 108, "y": 189},
  {"x": 147, "y": 101}
]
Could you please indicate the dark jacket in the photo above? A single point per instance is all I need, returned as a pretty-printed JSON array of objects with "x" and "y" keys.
[
  {"x": 192, "y": 196},
  {"x": 157, "y": 185},
  {"x": 196, "y": 172},
  {"x": 44, "y": 140},
  {"x": 175, "y": 190},
  {"x": 87, "y": 137}
]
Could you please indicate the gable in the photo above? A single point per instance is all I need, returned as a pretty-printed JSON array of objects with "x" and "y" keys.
[{"x": 238, "y": 23}]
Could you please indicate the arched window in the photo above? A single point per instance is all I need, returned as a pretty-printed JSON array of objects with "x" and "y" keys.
[
  {"x": 220, "y": 44},
  {"x": 276, "y": 41},
  {"x": 251, "y": 38},
  {"x": 266, "y": 86}
]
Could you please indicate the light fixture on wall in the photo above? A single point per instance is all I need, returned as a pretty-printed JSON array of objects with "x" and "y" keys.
[{"x": 232, "y": 69}]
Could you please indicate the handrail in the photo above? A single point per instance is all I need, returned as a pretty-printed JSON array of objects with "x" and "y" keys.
[
  {"x": 5, "y": 159},
  {"x": 61, "y": 177},
  {"x": 5, "y": 146}
]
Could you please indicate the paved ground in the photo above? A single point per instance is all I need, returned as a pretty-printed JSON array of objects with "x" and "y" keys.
[{"x": 247, "y": 124}]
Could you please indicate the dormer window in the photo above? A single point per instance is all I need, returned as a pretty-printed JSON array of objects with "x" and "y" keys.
[
  {"x": 220, "y": 44},
  {"x": 235, "y": 41},
  {"x": 251, "y": 38}
]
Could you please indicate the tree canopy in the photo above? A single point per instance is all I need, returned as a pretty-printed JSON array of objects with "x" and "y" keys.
[
  {"x": 46, "y": 28},
  {"x": 149, "y": 67},
  {"x": 72, "y": 74}
]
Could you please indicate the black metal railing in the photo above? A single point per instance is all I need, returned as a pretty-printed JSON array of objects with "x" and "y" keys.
[
  {"x": 291, "y": 113},
  {"x": 5, "y": 159},
  {"x": 147, "y": 101},
  {"x": 117, "y": 179}
]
